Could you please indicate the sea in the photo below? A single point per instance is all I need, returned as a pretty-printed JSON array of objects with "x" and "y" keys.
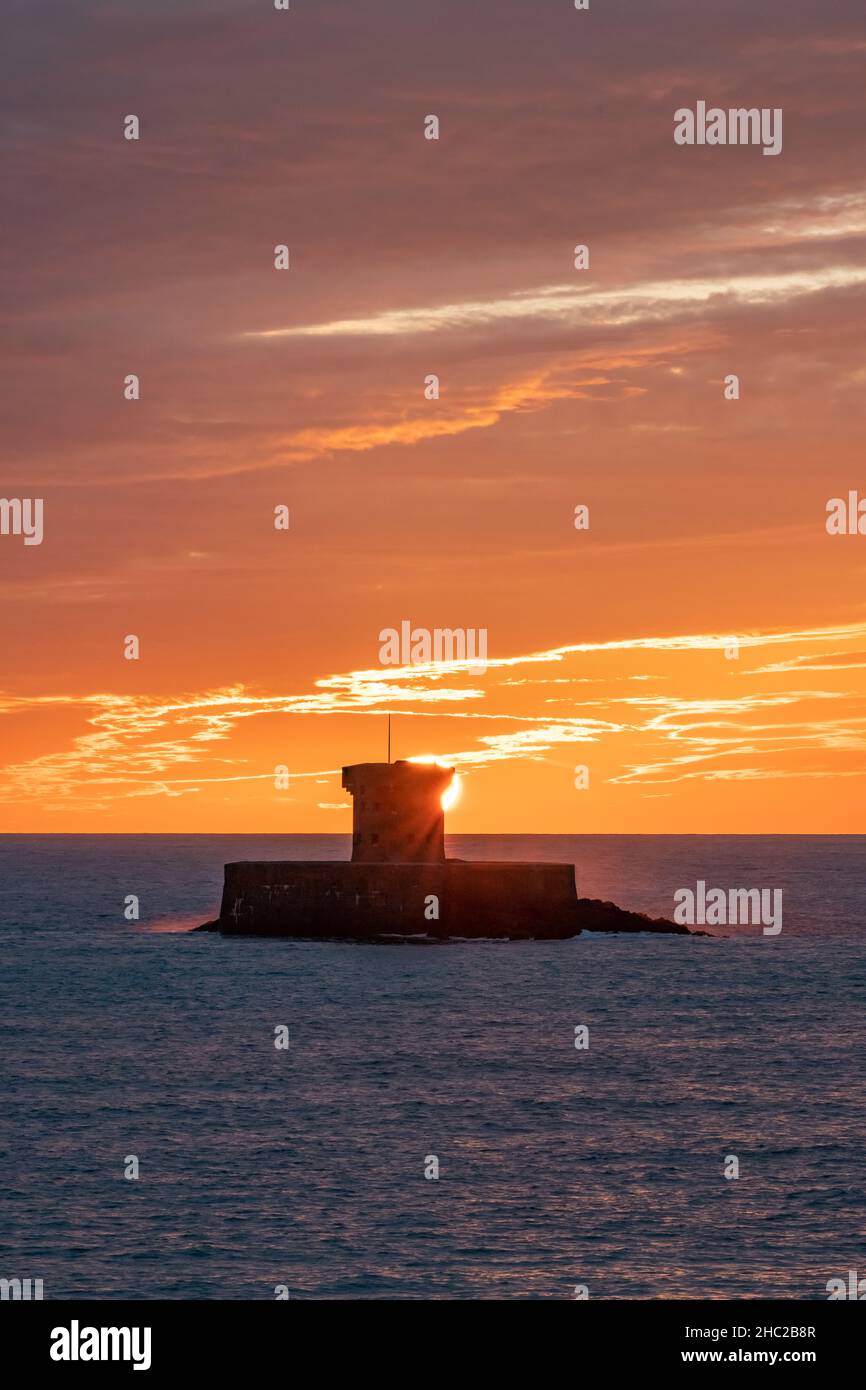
[{"x": 612, "y": 1117}]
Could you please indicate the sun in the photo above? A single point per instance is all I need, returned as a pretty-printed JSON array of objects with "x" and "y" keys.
[{"x": 451, "y": 795}]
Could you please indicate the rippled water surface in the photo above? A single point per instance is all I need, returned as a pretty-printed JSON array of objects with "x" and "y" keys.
[{"x": 306, "y": 1168}]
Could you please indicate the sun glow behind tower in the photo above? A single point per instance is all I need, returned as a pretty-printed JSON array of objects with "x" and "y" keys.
[{"x": 453, "y": 791}]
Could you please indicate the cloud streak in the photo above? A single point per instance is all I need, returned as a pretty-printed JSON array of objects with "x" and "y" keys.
[{"x": 629, "y": 306}]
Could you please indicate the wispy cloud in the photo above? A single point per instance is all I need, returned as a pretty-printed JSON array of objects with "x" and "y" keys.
[
  {"x": 136, "y": 746},
  {"x": 652, "y": 302}
]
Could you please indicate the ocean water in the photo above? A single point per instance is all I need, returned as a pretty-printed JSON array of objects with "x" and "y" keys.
[{"x": 305, "y": 1167}]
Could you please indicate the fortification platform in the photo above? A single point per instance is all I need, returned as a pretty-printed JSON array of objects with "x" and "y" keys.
[{"x": 451, "y": 898}]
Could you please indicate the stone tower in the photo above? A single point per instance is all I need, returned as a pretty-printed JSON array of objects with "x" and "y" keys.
[{"x": 397, "y": 815}]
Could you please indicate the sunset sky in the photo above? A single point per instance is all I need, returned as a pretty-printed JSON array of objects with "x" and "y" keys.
[{"x": 608, "y": 648}]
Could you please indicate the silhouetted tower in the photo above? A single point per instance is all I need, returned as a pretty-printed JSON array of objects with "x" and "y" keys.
[{"x": 397, "y": 815}]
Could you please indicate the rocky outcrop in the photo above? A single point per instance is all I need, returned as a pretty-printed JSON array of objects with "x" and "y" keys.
[{"x": 595, "y": 915}]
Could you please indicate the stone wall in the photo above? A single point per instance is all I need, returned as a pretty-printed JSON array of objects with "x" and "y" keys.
[{"x": 287, "y": 898}]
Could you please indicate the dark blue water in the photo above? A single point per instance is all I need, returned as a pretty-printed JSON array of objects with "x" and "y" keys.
[{"x": 305, "y": 1167}]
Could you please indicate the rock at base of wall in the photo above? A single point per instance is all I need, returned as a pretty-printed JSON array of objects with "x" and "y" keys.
[{"x": 595, "y": 915}]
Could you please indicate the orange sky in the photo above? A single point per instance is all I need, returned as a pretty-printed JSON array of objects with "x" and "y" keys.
[{"x": 558, "y": 387}]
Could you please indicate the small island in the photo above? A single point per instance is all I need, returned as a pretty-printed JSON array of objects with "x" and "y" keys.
[{"x": 399, "y": 883}]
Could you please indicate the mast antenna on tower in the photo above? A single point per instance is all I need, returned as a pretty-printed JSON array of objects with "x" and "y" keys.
[{"x": 389, "y": 738}]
